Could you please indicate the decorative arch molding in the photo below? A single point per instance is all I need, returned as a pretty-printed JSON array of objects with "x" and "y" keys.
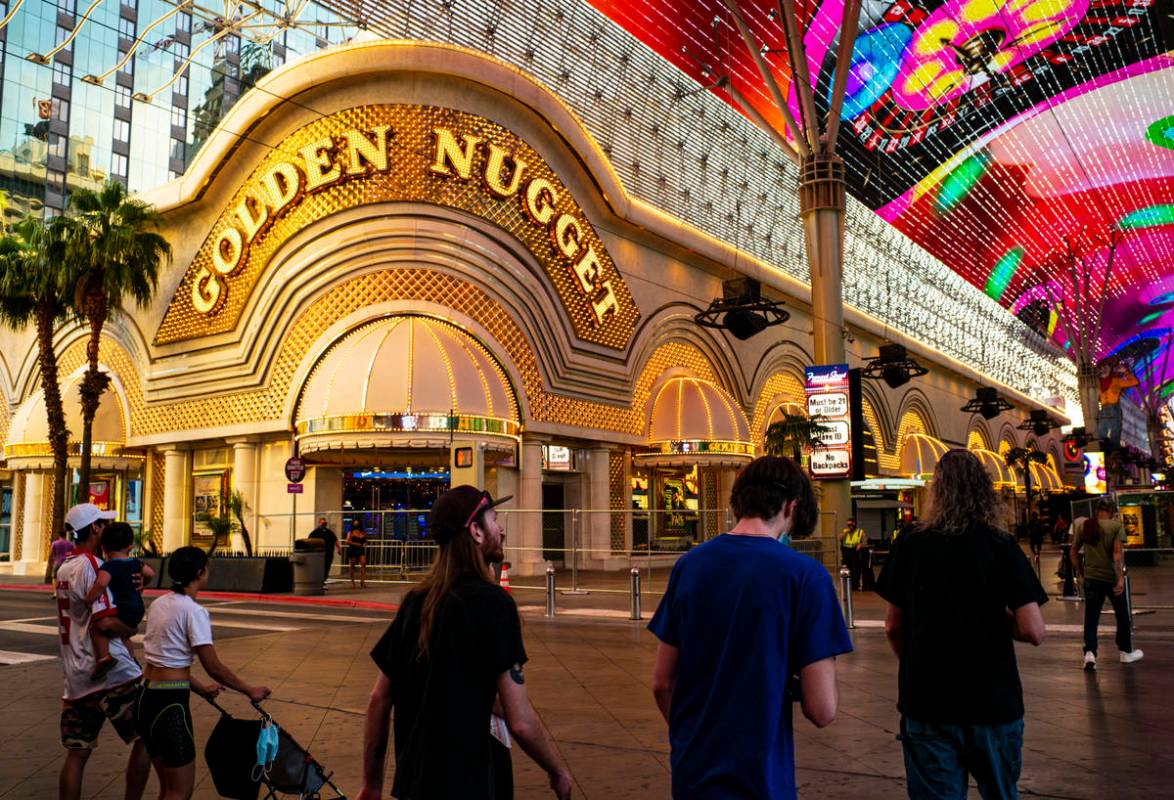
[
  {"x": 1007, "y": 438},
  {"x": 978, "y": 435},
  {"x": 782, "y": 388},
  {"x": 915, "y": 400},
  {"x": 674, "y": 323},
  {"x": 875, "y": 408}
]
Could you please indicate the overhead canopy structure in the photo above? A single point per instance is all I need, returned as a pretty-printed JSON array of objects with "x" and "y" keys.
[
  {"x": 992, "y": 132},
  {"x": 406, "y": 381},
  {"x": 694, "y": 422},
  {"x": 1045, "y": 478},
  {"x": 996, "y": 467},
  {"x": 919, "y": 455}
]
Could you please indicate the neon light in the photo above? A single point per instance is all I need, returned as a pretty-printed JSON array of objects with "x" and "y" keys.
[
  {"x": 1150, "y": 217},
  {"x": 959, "y": 183},
  {"x": 1161, "y": 132},
  {"x": 1004, "y": 268},
  {"x": 1148, "y": 318},
  {"x": 1162, "y": 299}
]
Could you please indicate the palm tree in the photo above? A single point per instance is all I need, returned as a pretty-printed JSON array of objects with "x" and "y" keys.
[
  {"x": 792, "y": 434},
  {"x": 114, "y": 251},
  {"x": 237, "y": 508},
  {"x": 31, "y": 290}
]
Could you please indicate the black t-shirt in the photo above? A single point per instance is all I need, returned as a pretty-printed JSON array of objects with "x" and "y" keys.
[
  {"x": 442, "y": 704},
  {"x": 958, "y": 657},
  {"x": 327, "y": 536}
]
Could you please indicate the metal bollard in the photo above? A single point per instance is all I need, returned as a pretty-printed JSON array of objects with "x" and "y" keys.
[
  {"x": 846, "y": 591},
  {"x": 636, "y": 595},
  {"x": 1127, "y": 593},
  {"x": 549, "y": 589}
]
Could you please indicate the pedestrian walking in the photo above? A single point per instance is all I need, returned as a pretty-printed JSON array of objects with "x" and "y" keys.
[
  {"x": 356, "y": 553},
  {"x": 179, "y": 630},
  {"x": 87, "y": 703},
  {"x": 747, "y": 626},
  {"x": 960, "y": 591},
  {"x": 1101, "y": 538},
  {"x": 58, "y": 552},
  {"x": 852, "y": 542},
  {"x": 330, "y": 546},
  {"x": 454, "y": 647},
  {"x": 1035, "y": 535}
]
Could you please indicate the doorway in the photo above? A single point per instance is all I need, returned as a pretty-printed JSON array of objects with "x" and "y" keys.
[
  {"x": 554, "y": 522},
  {"x": 392, "y": 502}
]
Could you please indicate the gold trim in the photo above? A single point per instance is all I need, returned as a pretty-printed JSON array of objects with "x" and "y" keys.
[
  {"x": 408, "y": 423},
  {"x": 699, "y": 447},
  {"x": 42, "y": 449}
]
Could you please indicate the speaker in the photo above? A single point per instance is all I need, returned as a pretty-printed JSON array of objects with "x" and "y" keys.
[{"x": 743, "y": 324}]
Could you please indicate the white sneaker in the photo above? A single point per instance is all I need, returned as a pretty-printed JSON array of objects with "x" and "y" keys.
[
  {"x": 1090, "y": 661},
  {"x": 1129, "y": 658}
]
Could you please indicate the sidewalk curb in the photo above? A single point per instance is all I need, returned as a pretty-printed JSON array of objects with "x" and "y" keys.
[{"x": 274, "y": 599}]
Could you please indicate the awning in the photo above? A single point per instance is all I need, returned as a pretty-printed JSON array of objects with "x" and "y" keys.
[
  {"x": 1001, "y": 475},
  {"x": 694, "y": 422},
  {"x": 920, "y": 454},
  {"x": 1044, "y": 478}
]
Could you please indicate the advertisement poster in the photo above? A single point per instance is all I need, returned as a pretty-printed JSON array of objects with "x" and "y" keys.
[
  {"x": 1094, "y": 473},
  {"x": 827, "y": 398},
  {"x": 1132, "y": 523},
  {"x": 100, "y": 494}
]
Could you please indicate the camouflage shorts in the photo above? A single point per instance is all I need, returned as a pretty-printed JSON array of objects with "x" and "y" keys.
[{"x": 81, "y": 719}]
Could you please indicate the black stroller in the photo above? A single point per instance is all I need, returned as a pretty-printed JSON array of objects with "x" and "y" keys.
[{"x": 231, "y": 756}]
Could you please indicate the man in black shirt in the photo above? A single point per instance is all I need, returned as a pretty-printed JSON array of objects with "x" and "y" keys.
[
  {"x": 455, "y": 645},
  {"x": 329, "y": 542},
  {"x": 959, "y": 592}
]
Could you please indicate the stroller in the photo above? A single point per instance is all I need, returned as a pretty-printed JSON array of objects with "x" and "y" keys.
[{"x": 231, "y": 756}]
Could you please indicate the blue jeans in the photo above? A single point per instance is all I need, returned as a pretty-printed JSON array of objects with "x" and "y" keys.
[
  {"x": 1109, "y": 423},
  {"x": 939, "y": 758},
  {"x": 1095, "y": 593}
]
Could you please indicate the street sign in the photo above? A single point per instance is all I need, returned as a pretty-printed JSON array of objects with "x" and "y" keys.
[
  {"x": 294, "y": 488},
  {"x": 295, "y": 470},
  {"x": 826, "y": 387}
]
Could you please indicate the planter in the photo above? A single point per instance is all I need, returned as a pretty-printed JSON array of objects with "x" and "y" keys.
[{"x": 260, "y": 575}]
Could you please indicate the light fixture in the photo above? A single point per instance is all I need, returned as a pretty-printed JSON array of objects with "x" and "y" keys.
[
  {"x": 1078, "y": 437},
  {"x": 894, "y": 366},
  {"x": 1039, "y": 423},
  {"x": 742, "y": 310},
  {"x": 986, "y": 401}
]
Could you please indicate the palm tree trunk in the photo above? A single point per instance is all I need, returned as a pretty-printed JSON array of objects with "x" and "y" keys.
[
  {"x": 93, "y": 384},
  {"x": 58, "y": 435}
]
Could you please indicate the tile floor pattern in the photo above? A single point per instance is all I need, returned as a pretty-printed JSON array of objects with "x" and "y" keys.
[{"x": 1087, "y": 736}]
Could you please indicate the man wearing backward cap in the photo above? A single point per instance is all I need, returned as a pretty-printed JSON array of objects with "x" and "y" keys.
[{"x": 454, "y": 647}]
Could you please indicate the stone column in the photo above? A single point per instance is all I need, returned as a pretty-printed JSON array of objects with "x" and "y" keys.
[
  {"x": 526, "y": 524},
  {"x": 596, "y": 540},
  {"x": 177, "y": 523},
  {"x": 32, "y": 548},
  {"x": 244, "y": 480}
]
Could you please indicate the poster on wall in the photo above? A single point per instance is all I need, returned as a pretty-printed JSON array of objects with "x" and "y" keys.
[
  {"x": 100, "y": 494},
  {"x": 827, "y": 398},
  {"x": 209, "y": 495},
  {"x": 1131, "y": 521}
]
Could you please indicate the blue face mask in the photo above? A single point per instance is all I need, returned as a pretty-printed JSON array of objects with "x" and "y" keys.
[
  {"x": 785, "y": 538},
  {"x": 266, "y": 748}
]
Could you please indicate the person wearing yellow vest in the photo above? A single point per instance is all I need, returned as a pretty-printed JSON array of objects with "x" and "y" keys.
[{"x": 852, "y": 541}]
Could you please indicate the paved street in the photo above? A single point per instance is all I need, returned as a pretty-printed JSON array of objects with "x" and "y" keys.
[{"x": 1087, "y": 736}]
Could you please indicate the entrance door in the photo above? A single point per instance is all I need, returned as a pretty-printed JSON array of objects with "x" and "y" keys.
[{"x": 554, "y": 526}]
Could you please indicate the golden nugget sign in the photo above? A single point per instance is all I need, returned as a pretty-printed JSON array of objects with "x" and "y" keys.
[{"x": 379, "y": 154}]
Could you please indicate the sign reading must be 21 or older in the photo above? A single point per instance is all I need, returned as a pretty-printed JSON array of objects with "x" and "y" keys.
[{"x": 827, "y": 397}]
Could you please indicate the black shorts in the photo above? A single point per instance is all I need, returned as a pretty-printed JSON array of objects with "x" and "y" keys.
[
  {"x": 165, "y": 723},
  {"x": 354, "y": 553},
  {"x": 82, "y": 719}
]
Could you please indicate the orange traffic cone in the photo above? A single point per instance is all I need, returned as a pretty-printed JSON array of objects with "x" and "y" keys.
[{"x": 505, "y": 577}]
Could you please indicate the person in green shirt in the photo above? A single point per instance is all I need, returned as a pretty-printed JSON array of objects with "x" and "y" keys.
[{"x": 1102, "y": 538}]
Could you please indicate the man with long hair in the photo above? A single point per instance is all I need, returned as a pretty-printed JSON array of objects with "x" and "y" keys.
[
  {"x": 455, "y": 645},
  {"x": 960, "y": 592},
  {"x": 1104, "y": 577},
  {"x": 742, "y": 618}
]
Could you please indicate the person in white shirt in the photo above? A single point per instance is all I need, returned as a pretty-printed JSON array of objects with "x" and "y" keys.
[
  {"x": 178, "y": 631},
  {"x": 86, "y": 703}
]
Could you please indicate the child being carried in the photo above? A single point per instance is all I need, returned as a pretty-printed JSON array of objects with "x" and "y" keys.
[{"x": 117, "y": 574}]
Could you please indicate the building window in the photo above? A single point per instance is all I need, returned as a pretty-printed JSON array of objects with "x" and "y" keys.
[
  {"x": 180, "y": 50},
  {"x": 118, "y": 164},
  {"x": 126, "y": 27},
  {"x": 122, "y": 96},
  {"x": 179, "y": 118},
  {"x": 183, "y": 23},
  {"x": 60, "y": 73},
  {"x": 177, "y": 150},
  {"x": 121, "y": 130},
  {"x": 181, "y": 85},
  {"x": 61, "y": 109},
  {"x": 83, "y": 164},
  {"x": 63, "y": 33},
  {"x": 57, "y": 146}
]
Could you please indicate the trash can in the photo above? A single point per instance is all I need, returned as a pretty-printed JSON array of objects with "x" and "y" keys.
[{"x": 309, "y": 566}]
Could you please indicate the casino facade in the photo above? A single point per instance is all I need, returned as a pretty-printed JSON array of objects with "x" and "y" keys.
[{"x": 412, "y": 264}]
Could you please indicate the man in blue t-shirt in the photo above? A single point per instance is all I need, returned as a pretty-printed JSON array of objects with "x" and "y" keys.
[{"x": 747, "y": 626}]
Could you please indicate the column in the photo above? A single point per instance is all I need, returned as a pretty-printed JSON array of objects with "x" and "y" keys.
[
  {"x": 526, "y": 524},
  {"x": 244, "y": 480},
  {"x": 596, "y": 540},
  {"x": 32, "y": 555},
  {"x": 176, "y": 488}
]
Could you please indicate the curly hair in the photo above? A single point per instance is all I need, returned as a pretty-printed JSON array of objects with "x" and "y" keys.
[
  {"x": 765, "y": 484},
  {"x": 961, "y": 494}
]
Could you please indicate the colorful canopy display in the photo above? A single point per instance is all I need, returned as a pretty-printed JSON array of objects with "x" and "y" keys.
[{"x": 989, "y": 131}]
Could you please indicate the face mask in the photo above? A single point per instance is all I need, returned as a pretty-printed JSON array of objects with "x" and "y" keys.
[
  {"x": 267, "y": 742},
  {"x": 785, "y": 538}
]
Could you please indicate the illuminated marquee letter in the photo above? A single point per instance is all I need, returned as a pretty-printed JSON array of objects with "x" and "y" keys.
[
  {"x": 587, "y": 270},
  {"x": 567, "y": 234},
  {"x": 607, "y": 304},
  {"x": 540, "y": 200},
  {"x": 493, "y": 167},
  {"x": 317, "y": 158},
  {"x": 253, "y": 214},
  {"x": 359, "y": 149},
  {"x": 282, "y": 182},
  {"x": 449, "y": 152},
  {"x": 205, "y": 291},
  {"x": 227, "y": 252}
]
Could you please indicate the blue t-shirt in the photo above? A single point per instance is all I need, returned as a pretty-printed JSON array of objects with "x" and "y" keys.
[{"x": 746, "y": 613}]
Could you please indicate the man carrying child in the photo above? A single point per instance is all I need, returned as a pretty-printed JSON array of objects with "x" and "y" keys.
[{"x": 117, "y": 575}]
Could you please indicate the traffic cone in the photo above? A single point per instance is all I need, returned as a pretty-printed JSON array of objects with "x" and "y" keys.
[{"x": 505, "y": 577}]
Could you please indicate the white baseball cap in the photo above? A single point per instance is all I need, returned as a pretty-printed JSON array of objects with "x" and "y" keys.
[{"x": 85, "y": 514}]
